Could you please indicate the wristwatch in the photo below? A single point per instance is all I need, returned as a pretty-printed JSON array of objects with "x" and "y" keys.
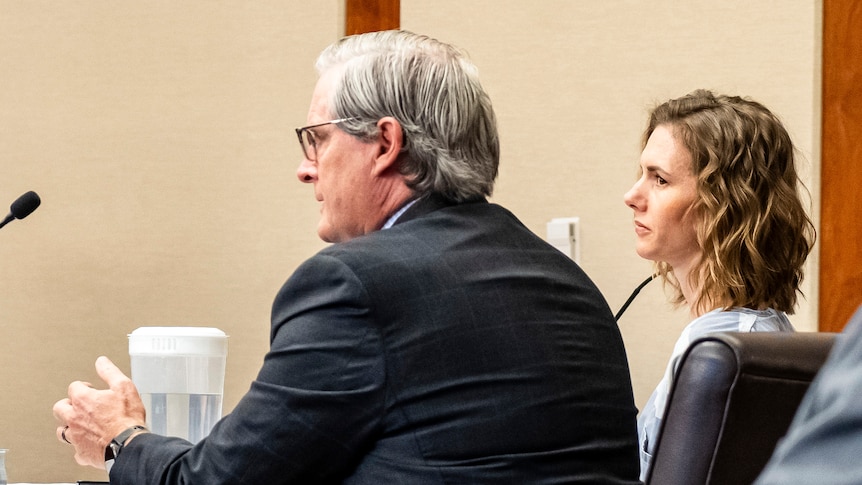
[{"x": 112, "y": 451}]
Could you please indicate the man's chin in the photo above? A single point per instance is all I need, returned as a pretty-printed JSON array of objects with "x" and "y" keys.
[
  {"x": 325, "y": 237},
  {"x": 327, "y": 234}
]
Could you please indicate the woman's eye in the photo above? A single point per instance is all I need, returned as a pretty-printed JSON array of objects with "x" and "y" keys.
[{"x": 660, "y": 181}]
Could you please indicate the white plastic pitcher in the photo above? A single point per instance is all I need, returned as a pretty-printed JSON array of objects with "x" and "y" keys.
[
  {"x": 179, "y": 373},
  {"x": 2, "y": 466}
]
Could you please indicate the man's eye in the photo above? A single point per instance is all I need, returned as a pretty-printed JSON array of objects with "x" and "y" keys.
[{"x": 309, "y": 139}]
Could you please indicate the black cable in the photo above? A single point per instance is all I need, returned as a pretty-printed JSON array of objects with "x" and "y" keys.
[{"x": 632, "y": 297}]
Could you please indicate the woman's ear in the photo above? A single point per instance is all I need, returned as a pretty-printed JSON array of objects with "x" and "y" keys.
[{"x": 390, "y": 139}]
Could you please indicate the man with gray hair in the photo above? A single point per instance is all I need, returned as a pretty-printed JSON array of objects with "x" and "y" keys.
[{"x": 437, "y": 341}]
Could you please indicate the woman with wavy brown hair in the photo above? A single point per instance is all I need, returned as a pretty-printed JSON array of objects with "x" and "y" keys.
[{"x": 717, "y": 207}]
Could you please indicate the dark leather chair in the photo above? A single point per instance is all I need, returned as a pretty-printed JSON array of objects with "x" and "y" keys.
[{"x": 733, "y": 398}]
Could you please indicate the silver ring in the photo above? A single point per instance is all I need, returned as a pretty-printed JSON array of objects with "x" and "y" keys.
[{"x": 63, "y": 435}]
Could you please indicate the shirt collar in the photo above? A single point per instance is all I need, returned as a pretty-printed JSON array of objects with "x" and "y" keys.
[{"x": 391, "y": 221}]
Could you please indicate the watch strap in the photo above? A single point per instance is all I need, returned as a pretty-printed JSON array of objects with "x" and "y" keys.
[{"x": 116, "y": 445}]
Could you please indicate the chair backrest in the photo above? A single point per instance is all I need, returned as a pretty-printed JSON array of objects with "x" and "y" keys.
[{"x": 733, "y": 398}]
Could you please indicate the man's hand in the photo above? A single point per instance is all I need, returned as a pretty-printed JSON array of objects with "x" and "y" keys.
[{"x": 90, "y": 418}]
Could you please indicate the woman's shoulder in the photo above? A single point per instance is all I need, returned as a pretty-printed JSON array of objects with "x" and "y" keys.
[
  {"x": 740, "y": 320},
  {"x": 711, "y": 322}
]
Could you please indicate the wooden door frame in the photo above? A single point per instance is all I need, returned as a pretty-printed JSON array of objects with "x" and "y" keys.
[
  {"x": 371, "y": 15},
  {"x": 841, "y": 175}
]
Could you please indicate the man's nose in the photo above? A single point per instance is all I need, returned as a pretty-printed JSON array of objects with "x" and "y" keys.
[{"x": 307, "y": 171}]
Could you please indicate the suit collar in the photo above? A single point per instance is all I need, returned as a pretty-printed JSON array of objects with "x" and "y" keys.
[{"x": 430, "y": 203}]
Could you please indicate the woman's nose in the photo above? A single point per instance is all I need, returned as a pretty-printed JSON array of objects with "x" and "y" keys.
[
  {"x": 307, "y": 171},
  {"x": 632, "y": 198}
]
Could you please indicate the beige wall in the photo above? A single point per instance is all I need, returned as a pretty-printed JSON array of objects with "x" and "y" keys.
[{"x": 159, "y": 135}]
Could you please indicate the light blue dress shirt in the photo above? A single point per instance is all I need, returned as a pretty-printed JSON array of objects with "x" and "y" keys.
[{"x": 391, "y": 221}]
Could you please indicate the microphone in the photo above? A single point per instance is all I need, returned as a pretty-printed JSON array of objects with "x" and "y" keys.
[
  {"x": 632, "y": 297},
  {"x": 22, "y": 207}
]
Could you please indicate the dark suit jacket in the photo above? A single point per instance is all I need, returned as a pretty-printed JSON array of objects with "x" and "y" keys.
[{"x": 456, "y": 347}]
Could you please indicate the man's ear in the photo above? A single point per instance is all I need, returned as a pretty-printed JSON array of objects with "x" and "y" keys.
[{"x": 390, "y": 139}]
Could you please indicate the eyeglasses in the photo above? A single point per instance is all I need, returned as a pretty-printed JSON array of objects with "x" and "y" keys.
[{"x": 307, "y": 139}]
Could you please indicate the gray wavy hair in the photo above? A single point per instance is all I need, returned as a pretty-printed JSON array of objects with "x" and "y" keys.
[{"x": 451, "y": 146}]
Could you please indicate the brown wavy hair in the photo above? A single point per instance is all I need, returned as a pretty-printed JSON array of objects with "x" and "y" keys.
[{"x": 753, "y": 230}]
